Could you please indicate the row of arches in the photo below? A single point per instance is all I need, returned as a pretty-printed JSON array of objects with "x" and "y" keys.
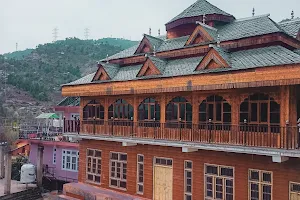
[{"x": 256, "y": 109}]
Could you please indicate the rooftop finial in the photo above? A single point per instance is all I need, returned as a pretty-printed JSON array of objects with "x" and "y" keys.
[
  {"x": 158, "y": 32},
  {"x": 154, "y": 50},
  {"x": 218, "y": 41},
  {"x": 204, "y": 19},
  {"x": 292, "y": 15},
  {"x": 150, "y": 31},
  {"x": 253, "y": 12},
  {"x": 107, "y": 61}
]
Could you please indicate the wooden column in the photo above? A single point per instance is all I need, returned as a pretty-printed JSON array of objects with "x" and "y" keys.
[
  {"x": 235, "y": 102},
  {"x": 195, "y": 104},
  {"x": 135, "y": 109},
  {"x": 40, "y": 156},
  {"x": 106, "y": 109},
  {"x": 7, "y": 185},
  {"x": 163, "y": 108}
]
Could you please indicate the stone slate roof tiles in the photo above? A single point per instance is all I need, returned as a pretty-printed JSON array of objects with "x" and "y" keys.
[
  {"x": 199, "y": 8},
  {"x": 111, "y": 69},
  {"x": 155, "y": 42},
  {"x": 241, "y": 28},
  {"x": 159, "y": 63},
  {"x": 248, "y": 27},
  {"x": 240, "y": 60},
  {"x": 291, "y": 27},
  {"x": 70, "y": 101}
]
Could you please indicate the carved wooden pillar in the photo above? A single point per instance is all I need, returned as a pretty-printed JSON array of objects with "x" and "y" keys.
[
  {"x": 195, "y": 103},
  {"x": 163, "y": 108},
  {"x": 135, "y": 109},
  {"x": 106, "y": 109},
  {"x": 235, "y": 108},
  {"x": 284, "y": 105}
]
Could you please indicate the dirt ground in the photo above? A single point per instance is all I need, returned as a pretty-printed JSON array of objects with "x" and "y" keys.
[{"x": 16, "y": 186}]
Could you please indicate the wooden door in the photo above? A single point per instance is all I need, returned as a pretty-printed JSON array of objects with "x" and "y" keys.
[
  {"x": 163, "y": 183},
  {"x": 295, "y": 196}
]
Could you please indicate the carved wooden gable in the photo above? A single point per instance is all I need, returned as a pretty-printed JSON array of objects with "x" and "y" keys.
[
  {"x": 101, "y": 74},
  {"x": 144, "y": 47},
  {"x": 199, "y": 35},
  {"x": 148, "y": 69},
  {"x": 212, "y": 60}
]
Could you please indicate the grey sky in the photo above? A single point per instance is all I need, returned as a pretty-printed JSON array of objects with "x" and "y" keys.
[{"x": 30, "y": 22}]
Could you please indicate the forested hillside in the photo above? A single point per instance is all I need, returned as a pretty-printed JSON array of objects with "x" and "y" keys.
[{"x": 41, "y": 71}]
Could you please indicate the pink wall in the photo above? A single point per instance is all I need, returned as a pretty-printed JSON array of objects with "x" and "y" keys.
[
  {"x": 60, "y": 174},
  {"x": 67, "y": 110}
]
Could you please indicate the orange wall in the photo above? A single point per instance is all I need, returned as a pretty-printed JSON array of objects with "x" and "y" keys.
[{"x": 282, "y": 173}]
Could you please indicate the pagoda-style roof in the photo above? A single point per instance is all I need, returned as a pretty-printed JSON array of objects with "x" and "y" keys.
[
  {"x": 238, "y": 60},
  {"x": 291, "y": 27},
  {"x": 238, "y": 29},
  {"x": 199, "y": 8}
]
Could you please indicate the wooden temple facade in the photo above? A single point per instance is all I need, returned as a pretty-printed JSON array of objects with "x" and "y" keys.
[{"x": 209, "y": 111}]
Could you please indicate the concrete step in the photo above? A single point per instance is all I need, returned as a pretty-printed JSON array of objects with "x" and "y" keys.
[{"x": 64, "y": 197}]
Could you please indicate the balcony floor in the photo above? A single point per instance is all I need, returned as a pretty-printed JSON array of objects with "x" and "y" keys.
[{"x": 265, "y": 151}]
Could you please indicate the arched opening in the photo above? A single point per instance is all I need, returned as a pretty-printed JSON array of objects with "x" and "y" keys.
[
  {"x": 121, "y": 112},
  {"x": 261, "y": 112},
  {"x": 93, "y": 111},
  {"x": 215, "y": 110},
  {"x": 179, "y": 111},
  {"x": 149, "y": 112}
]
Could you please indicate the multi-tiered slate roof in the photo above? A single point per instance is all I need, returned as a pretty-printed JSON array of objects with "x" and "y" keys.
[{"x": 240, "y": 59}]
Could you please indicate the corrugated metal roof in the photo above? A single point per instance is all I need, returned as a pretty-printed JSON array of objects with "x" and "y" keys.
[{"x": 291, "y": 27}]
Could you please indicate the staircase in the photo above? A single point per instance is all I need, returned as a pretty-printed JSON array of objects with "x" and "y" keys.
[{"x": 32, "y": 194}]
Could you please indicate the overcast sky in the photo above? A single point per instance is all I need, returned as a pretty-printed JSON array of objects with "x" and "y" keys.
[{"x": 30, "y": 22}]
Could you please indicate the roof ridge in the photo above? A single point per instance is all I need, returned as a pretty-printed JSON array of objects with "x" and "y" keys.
[
  {"x": 146, "y": 35},
  {"x": 290, "y": 21},
  {"x": 156, "y": 58},
  {"x": 207, "y": 26},
  {"x": 250, "y": 18}
]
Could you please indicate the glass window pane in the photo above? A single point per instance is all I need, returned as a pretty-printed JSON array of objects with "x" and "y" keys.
[
  {"x": 254, "y": 112},
  {"x": 263, "y": 112}
]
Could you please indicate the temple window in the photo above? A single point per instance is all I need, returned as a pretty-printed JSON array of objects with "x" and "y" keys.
[
  {"x": 179, "y": 111},
  {"x": 149, "y": 110},
  {"x": 93, "y": 111},
  {"x": 215, "y": 109},
  {"x": 120, "y": 110},
  {"x": 260, "y": 109}
]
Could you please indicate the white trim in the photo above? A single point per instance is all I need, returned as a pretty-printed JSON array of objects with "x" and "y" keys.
[
  {"x": 121, "y": 171},
  {"x": 137, "y": 174},
  {"x": 201, "y": 146},
  {"x": 192, "y": 176},
  {"x": 91, "y": 173},
  {"x": 259, "y": 182},
  {"x": 71, "y": 155},
  {"x": 219, "y": 175}
]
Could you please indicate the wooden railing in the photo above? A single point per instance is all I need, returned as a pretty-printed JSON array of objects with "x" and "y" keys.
[{"x": 244, "y": 135}]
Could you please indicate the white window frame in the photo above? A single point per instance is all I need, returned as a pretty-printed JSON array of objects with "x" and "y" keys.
[
  {"x": 218, "y": 176},
  {"x": 98, "y": 159},
  {"x": 290, "y": 189},
  {"x": 138, "y": 174},
  {"x": 54, "y": 156},
  {"x": 260, "y": 183},
  {"x": 121, "y": 179},
  {"x": 186, "y": 169},
  {"x": 72, "y": 154}
]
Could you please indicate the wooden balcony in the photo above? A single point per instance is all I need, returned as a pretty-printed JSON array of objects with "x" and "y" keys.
[{"x": 274, "y": 137}]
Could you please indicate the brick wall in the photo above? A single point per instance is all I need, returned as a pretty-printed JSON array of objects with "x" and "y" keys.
[{"x": 282, "y": 173}]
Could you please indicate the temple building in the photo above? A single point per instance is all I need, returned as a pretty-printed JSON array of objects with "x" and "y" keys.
[{"x": 208, "y": 111}]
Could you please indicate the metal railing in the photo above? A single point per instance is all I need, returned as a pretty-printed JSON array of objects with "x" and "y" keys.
[{"x": 270, "y": 136}]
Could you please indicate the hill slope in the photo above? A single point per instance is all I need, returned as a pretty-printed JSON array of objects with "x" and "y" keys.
[
  {"x": 34, "y": 76},
  {"x": 48, "y": 66}
]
